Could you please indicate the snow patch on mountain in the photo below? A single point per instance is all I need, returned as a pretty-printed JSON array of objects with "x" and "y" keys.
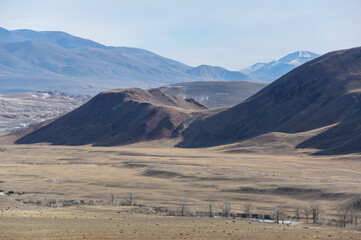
[{"x": 268, "y": 72}]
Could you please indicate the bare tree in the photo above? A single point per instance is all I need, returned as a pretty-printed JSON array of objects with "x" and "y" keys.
[
  {"x": 307, "y": 213},
  {"x": 278, "y": 214},
  {"x": 247, "y": 210},
  {"x": 183, "y": 207},
  {"x": 50, "y": 202},
  {"x": 357, "y": 217},
  {"x": 227, "y": 210},
  {"x": 349, "y": 213},
  {"x": 352, "y": 216},
  {"x": 210, "y": 208},
  {"x": 297, "y": 213},
  {"x": 315, "y": 211},
  {"x": 130, "y": 199},
  {"x": 344, "y": 216},
  {"x": 112, "y": 199}
]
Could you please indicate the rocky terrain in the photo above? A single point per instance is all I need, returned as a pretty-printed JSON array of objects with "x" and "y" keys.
[{"x": 19, "y": 110}]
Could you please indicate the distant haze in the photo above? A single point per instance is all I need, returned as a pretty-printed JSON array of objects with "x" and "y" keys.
[
  {"x": 42, "y": 60},
  {"x": 232, "y": 34}
]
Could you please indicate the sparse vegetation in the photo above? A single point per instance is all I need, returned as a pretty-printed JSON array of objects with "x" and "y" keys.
[
  {"x": 348, "y": 215},
  {"x": 226, "y": 210},
  {"x": 210, "y": 210},
  {"x": 167, "y": 200},
  {"x": 183, "y": 209},
  {"x": 279, "y": 214},
  {"x": 306, "y": 211},
  {"x": 315, "y": 212},
  {"x": 297, "y": 213},
  {"x": 247, "y": 210},
  {"x": 130, "y": 199},
  {"x": 112, "y": 199}
]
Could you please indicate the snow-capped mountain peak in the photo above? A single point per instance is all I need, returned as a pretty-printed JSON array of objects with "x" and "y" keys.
[
  {"x": 298, "y": 57},
  {"x": 268, "y": 72}
]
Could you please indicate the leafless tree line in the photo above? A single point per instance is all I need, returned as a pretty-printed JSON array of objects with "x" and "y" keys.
[
  {"x": 114, "y": 200},
  {"x": 128, "y": 200},
  {"x": 311, "y": 214},
  {"x": 349, "y": 217},
  {"x": 346, "y": 216}
]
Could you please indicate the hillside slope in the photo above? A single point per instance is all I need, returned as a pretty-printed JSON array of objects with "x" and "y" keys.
[
  {"x": 116, "y": 117},
  {"x": 319, "y": 93}
]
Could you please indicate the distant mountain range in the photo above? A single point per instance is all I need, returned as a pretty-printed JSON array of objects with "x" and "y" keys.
[
  {"x": 268, "y": 72},
  {"x": 49, "y": 60},
  {"x": 31, "y": 60}
]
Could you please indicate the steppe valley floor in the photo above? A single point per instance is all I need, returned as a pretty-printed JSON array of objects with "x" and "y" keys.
[{"x": 167, "y": 178}]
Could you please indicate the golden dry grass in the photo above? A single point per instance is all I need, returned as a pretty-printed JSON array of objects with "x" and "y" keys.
[
  {"x": 168, "y": 177},
  {"x": 121, "y": 223}
]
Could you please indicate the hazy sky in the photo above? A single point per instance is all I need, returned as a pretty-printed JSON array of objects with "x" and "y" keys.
[{"x": 229, "y": 33}]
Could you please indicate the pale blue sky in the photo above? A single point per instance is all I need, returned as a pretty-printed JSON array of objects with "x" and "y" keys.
[{"x": 228, "y": 33}]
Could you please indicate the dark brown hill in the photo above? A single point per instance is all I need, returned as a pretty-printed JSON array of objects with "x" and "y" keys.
[
  {"x": 116, "y": 117},
  {"x": 342, "y": 139},
  {"x": 319, "y": 93}
]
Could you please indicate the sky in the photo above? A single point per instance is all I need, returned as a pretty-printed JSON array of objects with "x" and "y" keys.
[{"x": 230, "y": 33}]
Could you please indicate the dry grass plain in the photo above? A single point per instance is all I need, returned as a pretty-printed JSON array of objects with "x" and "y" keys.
[
  {"x": 121, "y": 223},
  {"x": 168, "y": 177}
]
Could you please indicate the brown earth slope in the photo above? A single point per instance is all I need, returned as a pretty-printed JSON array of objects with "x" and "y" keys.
[
  {"x": 116, "y": 117},
  {"x": 319, "y": 93}
]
